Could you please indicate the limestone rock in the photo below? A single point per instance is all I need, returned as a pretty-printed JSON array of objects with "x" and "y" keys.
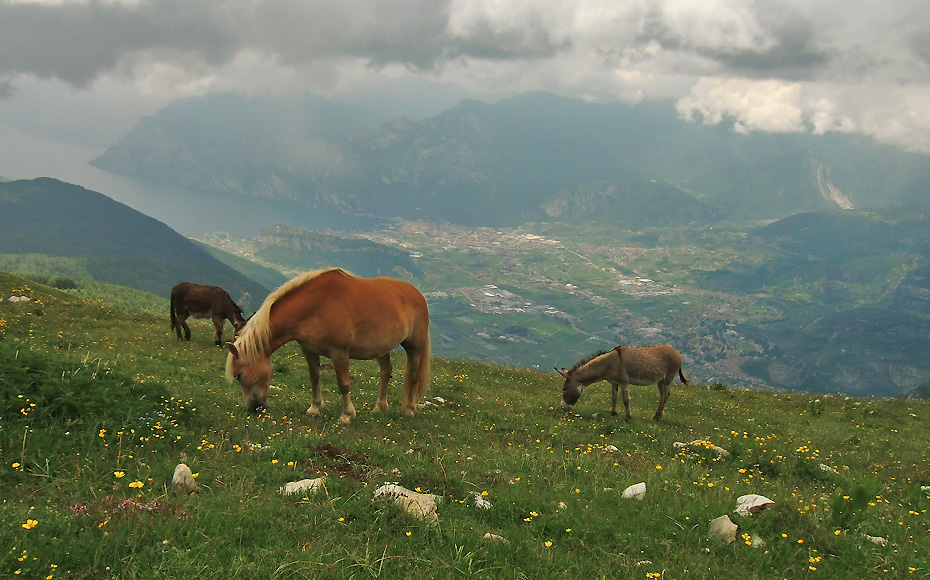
[
  {"x": 308, "y": 486},
  {"x": 183, "y": 479},
  {"x": 637, "y": 491},
  {"x": 752, "y": 504},
  {"x": 724, "y": 529},
  {"x": 420, "y": 505}
]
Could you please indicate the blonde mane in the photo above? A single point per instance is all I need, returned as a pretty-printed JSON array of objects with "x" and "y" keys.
[{"x": 254, "y": 338}]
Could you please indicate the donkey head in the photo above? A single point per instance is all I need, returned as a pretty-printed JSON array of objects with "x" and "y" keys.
[{"x": 571, "y": 389}]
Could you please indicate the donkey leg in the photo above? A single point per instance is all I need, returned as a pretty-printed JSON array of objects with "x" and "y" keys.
[
  {"x": 313, "y": 362},
  {"x": 182, "y": 324},
  {"x": 613, "y": 398},
  {"x": 218, "y": 326},
  {"x": 664, "y": 392},
  {"x": 341, "y": 365},
  {"x": 626, "y": 401},
  {"x": 386, "y": 368}
]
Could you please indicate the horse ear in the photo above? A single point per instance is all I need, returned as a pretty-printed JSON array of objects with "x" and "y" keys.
[
  {"x": 232, "y": 349},
  {"x": 563, "y": 372}
]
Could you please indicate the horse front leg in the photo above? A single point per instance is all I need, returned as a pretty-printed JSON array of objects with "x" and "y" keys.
[
  {"x": 613, "y": 398},
  {"x": 313, "y": 362},
  {"x": 218, "y": 326},
  {"x": 386, "y": 369},
  {"x": 341, "y": 365},
  {"x": 665, "y": 391},
  {"x": 626, "y": 401}
]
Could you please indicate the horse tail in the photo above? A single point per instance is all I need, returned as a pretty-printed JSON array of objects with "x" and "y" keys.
[
  {"x": 681, "y": 375},
  {"x": 174, "y": 316},
  {"x": 423, "y": 371}
]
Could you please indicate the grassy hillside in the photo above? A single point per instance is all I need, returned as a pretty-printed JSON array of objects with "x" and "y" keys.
[
  {"x": 98, "y": 405},
  {"x": 69, "y": 230}
]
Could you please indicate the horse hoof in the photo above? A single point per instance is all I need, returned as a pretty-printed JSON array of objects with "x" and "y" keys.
[
  {"x": 313, "y": 412},
  {"x": 345, "y": 419}
]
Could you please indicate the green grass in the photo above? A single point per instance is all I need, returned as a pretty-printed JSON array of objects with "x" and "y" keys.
[{"x": 99, "y": 404}]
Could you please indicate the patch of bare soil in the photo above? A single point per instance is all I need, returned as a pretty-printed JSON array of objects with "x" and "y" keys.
[{"x": 352, "y": 465}]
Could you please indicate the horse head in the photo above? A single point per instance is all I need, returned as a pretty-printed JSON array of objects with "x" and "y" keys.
[{"x": 254, "y": 376}]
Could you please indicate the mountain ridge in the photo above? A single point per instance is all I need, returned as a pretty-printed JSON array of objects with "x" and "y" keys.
[
  {"x": 488, "y": 164},
  {"x": 115, "y": 243}
]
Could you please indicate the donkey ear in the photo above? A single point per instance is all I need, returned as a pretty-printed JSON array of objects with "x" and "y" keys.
[
  {"x": 232, "y": 349},
  {"x": 562, "y": 372}
]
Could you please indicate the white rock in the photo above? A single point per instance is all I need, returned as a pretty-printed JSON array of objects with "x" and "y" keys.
[
  {"x": 723, "y": 528},
  {"x": 752, "y": 504},
  {"x": 183, "y": 478},
  {"x": 481, "y": 502},
  {"x": 421, "y": 505},
  {"x": 636, "y": 491},
  {"x": 494, "y": 538},
  {"x": 876, "y": 539},
  {"x": 308, "y": 486}
]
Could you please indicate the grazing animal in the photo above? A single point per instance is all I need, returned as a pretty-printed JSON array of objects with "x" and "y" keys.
[
  {"x": 203, "y": 302},
  {"x": 623, "y": 366},
  {"x": 335, "y": 314}
]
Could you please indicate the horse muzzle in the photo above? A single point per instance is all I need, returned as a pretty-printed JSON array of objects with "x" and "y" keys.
[
  {"x": 566, "y": 406},
  {"x": 255, "y": 404}
]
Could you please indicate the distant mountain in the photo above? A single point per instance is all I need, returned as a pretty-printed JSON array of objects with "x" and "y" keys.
[
  {"x": 774, "y": 187},
  {"x": 490, "y": 164},
  {"x": 633, "y": 205},
  {"x": 852, "y": 290},
  {"x": 106, "y": 240},
  {"x": 921, "y": 392},
  {"x": 310, "y": 251}
]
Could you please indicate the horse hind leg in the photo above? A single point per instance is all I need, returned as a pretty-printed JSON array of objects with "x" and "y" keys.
[
  {"x": 384, "y": 362},
  {"x": 183, "y": 324}
]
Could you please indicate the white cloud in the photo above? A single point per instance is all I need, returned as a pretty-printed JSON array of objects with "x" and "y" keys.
[
  {"x": 897, "y": 115},
  {"x": 775, "y": 65}
]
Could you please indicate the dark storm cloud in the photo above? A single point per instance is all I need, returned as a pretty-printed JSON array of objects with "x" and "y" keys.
[
  {"x": 79, "y": 40},
  {"x": 76, "y": 42}
]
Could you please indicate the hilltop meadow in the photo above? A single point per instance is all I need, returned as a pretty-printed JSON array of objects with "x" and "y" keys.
[{"x": 99, "y": 403}]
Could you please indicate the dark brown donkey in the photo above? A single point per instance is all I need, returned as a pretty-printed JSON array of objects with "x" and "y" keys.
[
  {"x": 203, "y": 302},
  {"x": 624, "y": 366}
]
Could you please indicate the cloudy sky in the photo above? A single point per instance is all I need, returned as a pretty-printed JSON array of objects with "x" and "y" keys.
[{"x": 86, "y": 70}]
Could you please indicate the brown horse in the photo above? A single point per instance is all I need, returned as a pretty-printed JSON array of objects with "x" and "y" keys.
[
  {"x": 623, "y": 366},
  {"x": 334, "y": 314},
  {"x": 203, "y": 302}
]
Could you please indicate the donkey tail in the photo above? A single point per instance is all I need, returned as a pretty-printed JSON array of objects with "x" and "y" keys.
[{"x": 681, "y": 375}]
